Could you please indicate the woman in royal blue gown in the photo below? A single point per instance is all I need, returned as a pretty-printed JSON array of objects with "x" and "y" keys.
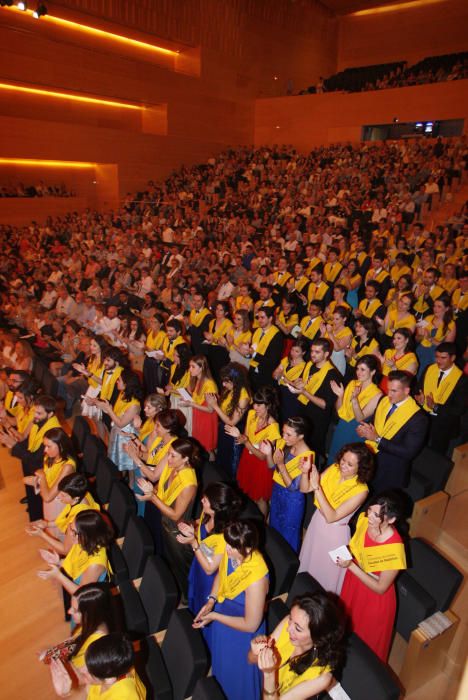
[
  {"x": 235, "y": 609},
  {"x": 287, "y": 502},
  {"x": 221, "y": 504}
]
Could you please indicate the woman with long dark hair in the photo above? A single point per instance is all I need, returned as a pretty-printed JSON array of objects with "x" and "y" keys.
[
  {"x": 231, "y": 408},
  {"x": 254, "y": 476},
  {"x": 221, "y": 504},
  {"x": 438, "y": 327},
  {"x": 204, "y": 418},
  {"x": 289, "y": 369},
  {"x": 299, "y": 658},
  {"x": 378, "y": 556},
  {"x": 401, "y": 356},
  {"x": 338, "y": 492},
  {"x": 235, "y": 609},
  {"x": 87, "y": 561},
  {"x": 122, "y": 414}
]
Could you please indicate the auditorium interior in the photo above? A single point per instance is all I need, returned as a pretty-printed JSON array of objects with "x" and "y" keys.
[{"x": 183, "y": 173}]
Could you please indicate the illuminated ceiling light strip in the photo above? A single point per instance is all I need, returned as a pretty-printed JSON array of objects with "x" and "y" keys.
[
  {"x": 394, "y": 8},
  {"x": 100, "y": 32},
  {"x": 46, "y": 163},
  {"x": 67, "y": 96}
]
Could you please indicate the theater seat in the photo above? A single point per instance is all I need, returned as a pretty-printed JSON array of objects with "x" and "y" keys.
[
  {"x": 79, "y": 434},
  {"x": 427, "y": 586},
  {"x": 106, "y": 474},
  {"x": 208, "y": 689},
  {"x": 282, "y": 561},
  {"x": 92, "y": 450},
  {"x": 121, "y": 506},
  {"x": 129, "y": 562},
  {"x": 184, "y": 653},
  {"x": 429, "y": 473},
  {"x": 159, "y": 593}
]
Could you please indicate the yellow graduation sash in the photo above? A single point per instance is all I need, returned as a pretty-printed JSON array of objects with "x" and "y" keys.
[
  {"x": 36, "y": 434},
  {"x": 199, "y": 393},
  {"x": 459, "y": 300},
  {"x": 291, "y": 373},
  {"x": 438, "y": 335},
  {"x": 237, "y": 338},
  {"x": 317, "y": 291},
  {"x": 184, "y": 478},
  {"x": 213, "y": 541},
  {"x": 281, "y": 278},
  {"x": 221, "y": 331},
  {"x": 365, "y": 395},
  {"x": 291, "y": 320},
  {"x": 402, "y": 363},
  {"x": 158, "y": 341},
  {"x": 146, "y": 429},
  {"x": 300, "y": 283},
  {"x": 243, "y": 302},
  {"x": 109, "y": 380},
  {"x": 78, "y": 561},
  {"x": 312, "y": 330},
  {"x": 157, "y": 453},
  {"x": 121, "y": 405},
  {"x": 171, "y": 346},
  {"x": 7, "y": 403},
  {"x": 252, "y": 569},
  {"x": 367, "y": 349},
  {"x": 336, "y": 491},
  {"x": 314, "y": 381},
  {"x": 23, "y": 418},
  {"x": 197, "y": 317},
  {"x": 331, "y": 271},
  {"x": 408, "y": 321},
  {"x": 52, "y": 472},
  {"x": 183, "y": 382},
  {"x": 269, "y": 432},
  {"x": 369, "y": 308},
  {"x": 287, "y": 678},
  {"x": 261, "y": 343},
  {"x": 69, "y": 513},
  {"x": 382, "y": 557},
  {"x": 226, "y": 402},
  {"x": 292, "y": 465},
  {"x": 388, "y": 428},
  {"x": 96, "y": 368},
  {"x": 442, "y": 392}
]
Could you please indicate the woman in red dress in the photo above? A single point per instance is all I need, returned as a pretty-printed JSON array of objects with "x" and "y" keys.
[
  {"x": 254, "y": 476},
  {"x": 368, "y": 591},
  {"x": 204, "y": 418}
]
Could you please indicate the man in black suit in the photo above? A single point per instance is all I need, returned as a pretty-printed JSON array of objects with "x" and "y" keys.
[
  {"x": 443, "y": 394},
  {"x": 398, "y": 433}
]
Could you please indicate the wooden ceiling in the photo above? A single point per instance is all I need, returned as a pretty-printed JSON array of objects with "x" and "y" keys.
[{"x": 344, "y": 7}]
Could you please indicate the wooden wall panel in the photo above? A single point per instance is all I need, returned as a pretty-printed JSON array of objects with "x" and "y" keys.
[
  {"x": 409, "y": 34},
  {"x": 310, "y": 120}
]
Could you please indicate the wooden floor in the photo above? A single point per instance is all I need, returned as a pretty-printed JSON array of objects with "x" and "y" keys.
[{"x": 31, "y": 610}]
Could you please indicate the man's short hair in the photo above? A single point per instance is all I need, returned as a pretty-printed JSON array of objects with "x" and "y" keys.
[
  {"x": 397, "y": 375},
  {"x": 48, "y": 403},
  {"x": 323, "y": 343}
]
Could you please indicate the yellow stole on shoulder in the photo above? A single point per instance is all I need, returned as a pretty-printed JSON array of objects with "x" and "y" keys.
[
  {"x": 312, "y": 330},
  {"x": 199, "y": 393},
  {"x": 214, "y": 541},
  {"x": 69, "y": 513},
  {"x": 184, "y": 478},
  {"x": 96, "y": 368},
  {"x": 403, "y": 362},
  {"x": 292, "y": 465},
  {"x": 197, "y": 317},
  {"x": 269, "y": 432},
  {"x": 367, "y": 349},
  {"x": 369, "y": 308},
  {"x": 52, "y": 472},
  {"x": 281, "y": 278},
  {"x": 261, "y": 343},
  {"x": 442, "y": 392},
  {"x": 146, "y": 429},
  {"x": 287, "y": 678},
  {"x": 109, "y": 379},
  {"x": 314, "y": 382},
  {"x": 157, "y": 451},
  {"x": 382, "y": 557},
  {"x": 252, "y": 569},
  {"x": 36, "y": 434},
  {"x": 365, "y": 395},
  {"x": 23, "y": 418},
  {"x": 292, "y": 373},
  {"x": 222, "y": 329},
  {"x": 7, "y": 402},
  {"x": 121, "y": 405},
  {"x": 388, "y": 428},
  {"x": 158, "y": 341},
  {"x": 336, "y": 491}
]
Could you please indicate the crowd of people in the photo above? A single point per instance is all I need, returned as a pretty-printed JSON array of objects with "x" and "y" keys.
[
  {"x": 41, "y": 189},
  {"x": 281, "y": 316},
  {"x": 433, "y": 69}
]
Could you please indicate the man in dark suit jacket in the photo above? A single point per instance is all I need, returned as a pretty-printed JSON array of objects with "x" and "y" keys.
[
  {"x": 443, "y": 393},
  {"x": 264, "y": 362},
  {"x": 398, "y": 449}
]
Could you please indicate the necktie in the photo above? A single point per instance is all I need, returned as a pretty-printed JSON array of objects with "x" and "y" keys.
[
  {"x": 441, "y": 376},
  {"x": 309, "y": 325},
  {"x": 392, "y": 409}
]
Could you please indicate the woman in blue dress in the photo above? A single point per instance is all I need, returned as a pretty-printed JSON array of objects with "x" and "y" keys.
[
  {"x": 235, "y": 609},
  {"x": 287, "y": 502},
  {"x": 221, "y": 504},
  {"x": 355, "y": 403}
]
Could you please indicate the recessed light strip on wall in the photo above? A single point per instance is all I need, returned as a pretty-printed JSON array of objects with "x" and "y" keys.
[
  {"x": 68, "y": 96},
  {"x": 46, "y": 163},
  {"x": 394, "y": 8},
  {"x": 77, "y": 26}
]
